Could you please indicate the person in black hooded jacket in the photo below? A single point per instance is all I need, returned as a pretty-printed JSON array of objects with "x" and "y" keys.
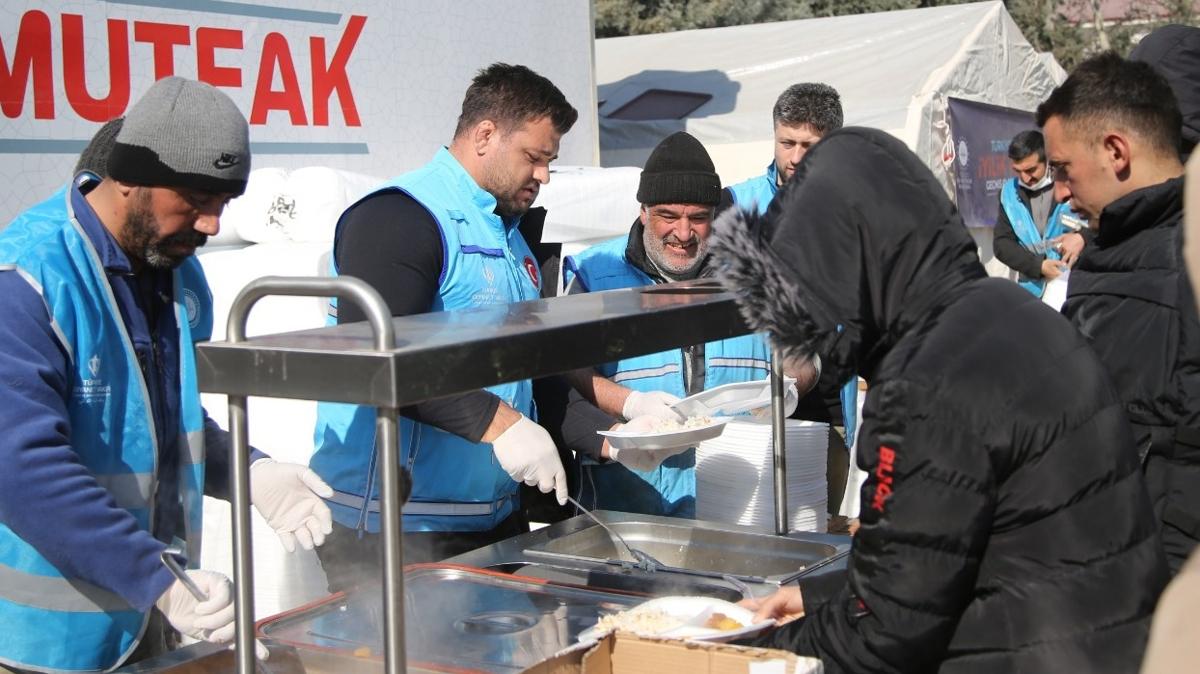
[
  {"x": 1112, "y": 137},
  {"x": 999, "y": 533},
  {"x": 1174, "y": 52}
]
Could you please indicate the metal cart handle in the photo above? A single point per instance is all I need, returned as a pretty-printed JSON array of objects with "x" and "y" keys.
[
  {"x": 380, "y": 318},
  {"x": 342, "y": 287}
]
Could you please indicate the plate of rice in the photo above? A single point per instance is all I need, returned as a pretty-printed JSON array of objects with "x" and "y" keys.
[
  {"x": 697, "y": 618},
  {"x": 669, "y": 433}
]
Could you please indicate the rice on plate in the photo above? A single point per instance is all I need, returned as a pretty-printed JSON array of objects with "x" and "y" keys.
[{"x": 701, "y": 618}]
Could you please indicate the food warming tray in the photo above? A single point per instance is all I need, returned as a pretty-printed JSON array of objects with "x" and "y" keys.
[
  {"x": 752, "y": 557},
  {"x": 456, "y": 619}
]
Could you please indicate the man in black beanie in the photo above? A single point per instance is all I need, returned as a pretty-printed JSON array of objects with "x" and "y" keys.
[
  {"x": 679, "y": 191},
  {"x": 107, "y": 451}
]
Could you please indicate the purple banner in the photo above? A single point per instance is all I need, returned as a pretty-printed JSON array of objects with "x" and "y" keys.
[{"x": 981, "y": 133}]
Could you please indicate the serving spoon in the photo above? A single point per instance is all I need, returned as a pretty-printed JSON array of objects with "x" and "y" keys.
[{"x": 644, "y": 560}]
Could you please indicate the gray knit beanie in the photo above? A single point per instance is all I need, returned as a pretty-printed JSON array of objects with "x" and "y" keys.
[
  {"x": 679, "y": 171},
  {"x": 183, "y": 133}
]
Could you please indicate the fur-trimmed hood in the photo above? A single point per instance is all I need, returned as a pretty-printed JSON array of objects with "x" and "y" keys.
[{"x": 858, "y": 248}]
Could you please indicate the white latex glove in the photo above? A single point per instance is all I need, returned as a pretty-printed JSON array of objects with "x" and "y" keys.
[
  {"x": 210, "y": 620},
  {"x": 790, "y": 400},
  {"x": 288, "y": 495},
  {"x": 651, "y": 404},
  {"x": 643, "y": 459},
  {"x": 526, "y": 452}
]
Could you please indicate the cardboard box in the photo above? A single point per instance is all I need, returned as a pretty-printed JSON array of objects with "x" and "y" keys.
[{"x": 624, "y": 653}]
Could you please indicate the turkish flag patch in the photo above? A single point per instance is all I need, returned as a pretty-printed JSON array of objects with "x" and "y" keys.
[{"x": 532, "y": 269}]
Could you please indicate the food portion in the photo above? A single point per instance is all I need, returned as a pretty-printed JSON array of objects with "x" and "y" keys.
[
  {"x": 670, "y": 425},
  {"x": 646, "y": 621},
  {"x": 722, "y": 622},
  {"x": 699, "y": 618},
  {"x": 657, "y": 621}
]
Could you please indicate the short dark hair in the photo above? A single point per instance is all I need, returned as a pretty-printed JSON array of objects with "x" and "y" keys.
[
  {"x": 1026, "y": 143},
  {"x": 813, "y": 103},
  {"x": 511, "y": 96},
  {"x": 1107, "y": 89}
]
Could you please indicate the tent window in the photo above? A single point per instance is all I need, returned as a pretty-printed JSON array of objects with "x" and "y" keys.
[{"x": 660, "y": 104}]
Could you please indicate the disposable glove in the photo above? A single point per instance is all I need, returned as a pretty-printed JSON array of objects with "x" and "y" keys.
[
  {"x": 652, "y": 404},
  {"x": 643, "y": 459},
  {"x": 526, "y": 452},
  {"x": 288, "y": 495},
  {"x": 210, "y": 620},
  {"x": 790, "y": 400}
]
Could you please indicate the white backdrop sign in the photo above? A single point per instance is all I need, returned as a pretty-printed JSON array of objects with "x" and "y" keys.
[{"x": 372, "y": 86}]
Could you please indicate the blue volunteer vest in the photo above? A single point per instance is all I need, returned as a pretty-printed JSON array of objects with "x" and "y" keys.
[
  {"x": 53, "y": 622},
  {"x": 669, "y": 489},
  {"x": 758, "y": 192},
  {"x": 457, "y": 485},
  {"x": 1027, "y": 233}
]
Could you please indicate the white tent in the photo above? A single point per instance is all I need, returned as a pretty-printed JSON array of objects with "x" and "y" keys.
[{"x": 894, "y": 71}]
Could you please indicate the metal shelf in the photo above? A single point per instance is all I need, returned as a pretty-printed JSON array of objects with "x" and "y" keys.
[{"x": 444, "y": 353}]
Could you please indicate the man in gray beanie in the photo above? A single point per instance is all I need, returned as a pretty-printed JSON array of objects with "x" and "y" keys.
[
  {"x": 107, "y": 451},
  {"x": 679, "y": 191}
]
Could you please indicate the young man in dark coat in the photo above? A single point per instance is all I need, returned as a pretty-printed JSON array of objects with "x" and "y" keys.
[
  {"x": 999, "y": 533},
  {"x": 1113, "y": 139}
]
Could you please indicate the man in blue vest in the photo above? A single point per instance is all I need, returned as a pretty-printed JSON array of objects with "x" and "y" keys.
[
  {"x": 802, "y": 115},
  {"x": 445, "y": 237},
  {"x": 679, "y": 191},
  {"x": 106, "y": 450},
  {"x": 1030, "y": 225}
]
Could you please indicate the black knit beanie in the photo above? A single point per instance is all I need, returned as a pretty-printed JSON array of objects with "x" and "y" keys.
[
  {"x": 679, "y": 171},
  {"x": 94, "y": 157}
]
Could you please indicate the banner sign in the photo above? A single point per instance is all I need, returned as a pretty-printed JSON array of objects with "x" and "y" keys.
[
  {"x": 373, "y": 86},
  {"x": 980, "y": 134}
]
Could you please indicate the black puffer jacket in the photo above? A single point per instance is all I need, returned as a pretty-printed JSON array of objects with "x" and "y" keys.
[
  {"x": 1005, "y": 526},
  {"x": 1129, "y": 295}
]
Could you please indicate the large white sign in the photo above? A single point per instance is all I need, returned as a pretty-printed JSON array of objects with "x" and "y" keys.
[{"x": 373, "y": 86}]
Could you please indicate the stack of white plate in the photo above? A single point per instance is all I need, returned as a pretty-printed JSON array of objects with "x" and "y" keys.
[{"x": 735, "y": 479}]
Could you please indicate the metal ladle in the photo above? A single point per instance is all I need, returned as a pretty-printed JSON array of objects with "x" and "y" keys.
[{"x": 644, "y": 560}]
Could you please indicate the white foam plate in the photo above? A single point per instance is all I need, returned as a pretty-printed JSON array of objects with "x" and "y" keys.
[
  {"x": 728, "y": 399},
  {"x": 684, "y": 437},
  {"x": 685, "y": 608}
]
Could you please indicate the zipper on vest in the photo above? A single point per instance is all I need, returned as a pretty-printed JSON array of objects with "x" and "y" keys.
[{"x": 694, "y": 372}]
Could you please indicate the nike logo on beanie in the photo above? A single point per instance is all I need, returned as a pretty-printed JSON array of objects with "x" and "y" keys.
[{"x": 226, "y": 160}]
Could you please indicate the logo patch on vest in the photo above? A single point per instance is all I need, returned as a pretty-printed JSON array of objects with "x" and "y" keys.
[
  {"x": 532, "y": 268},
  {"x": 92, "y": 390},
  {"x": 191, "y": 303}
]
